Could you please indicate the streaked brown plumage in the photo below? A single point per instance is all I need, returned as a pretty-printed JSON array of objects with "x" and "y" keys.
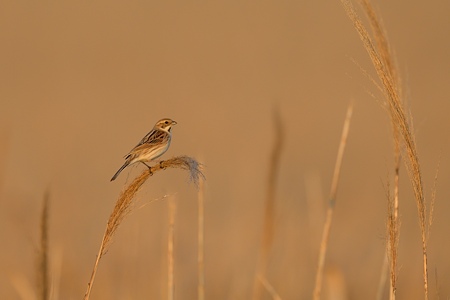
[{"x": 152, "y": 146}]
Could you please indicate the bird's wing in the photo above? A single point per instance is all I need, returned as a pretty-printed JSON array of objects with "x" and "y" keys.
[{"x": 153, "y": 137}]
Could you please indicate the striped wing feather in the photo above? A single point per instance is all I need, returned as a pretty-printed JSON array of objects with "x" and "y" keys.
[{"x": 152, "y": 138}]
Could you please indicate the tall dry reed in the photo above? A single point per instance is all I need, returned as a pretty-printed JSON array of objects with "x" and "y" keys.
[
  {"x": 200, "y": 241},
  {"x": 269, "y": 211},
  {"x": 124, "y": 203},
  {"x": 43, "y": 272},
  {"x": 393, "y": 224},
  {"x": 331, "y": 206},
  {"x": 380, "y": 55},
  {"x": 171, "y": 250},
  {"x": 269, "y": 288}
]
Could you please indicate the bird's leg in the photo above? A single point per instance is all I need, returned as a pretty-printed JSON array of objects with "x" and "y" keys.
[
  {"x": 160, "y": 165},
  {"x": 149, "y": 168}
]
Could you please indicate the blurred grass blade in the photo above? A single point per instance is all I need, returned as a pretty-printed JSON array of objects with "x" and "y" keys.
[{"x": 331, "y": 205}]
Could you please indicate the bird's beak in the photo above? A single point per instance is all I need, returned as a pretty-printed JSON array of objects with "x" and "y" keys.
[{"x": 174, "y": 122}]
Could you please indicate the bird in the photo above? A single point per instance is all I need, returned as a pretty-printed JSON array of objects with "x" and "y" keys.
[{"x": 152, "y": 146}]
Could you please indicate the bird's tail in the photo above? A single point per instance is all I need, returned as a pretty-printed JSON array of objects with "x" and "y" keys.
[{"x": 120, "y": 170}]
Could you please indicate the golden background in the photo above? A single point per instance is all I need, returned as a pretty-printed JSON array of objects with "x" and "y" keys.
[{"x": 81, "y": 82}]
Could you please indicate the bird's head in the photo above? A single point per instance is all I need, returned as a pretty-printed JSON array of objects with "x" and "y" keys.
[{"x": 165, "y": 124}]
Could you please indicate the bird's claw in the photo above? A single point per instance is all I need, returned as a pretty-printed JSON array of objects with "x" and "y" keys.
[{"x": 149, "y": 169}]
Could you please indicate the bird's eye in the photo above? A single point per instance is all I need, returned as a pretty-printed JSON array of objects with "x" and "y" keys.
[{"x": 166, "y": 122}]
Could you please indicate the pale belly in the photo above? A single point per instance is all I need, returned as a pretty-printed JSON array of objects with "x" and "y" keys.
[{"x": 151, "y": 153}]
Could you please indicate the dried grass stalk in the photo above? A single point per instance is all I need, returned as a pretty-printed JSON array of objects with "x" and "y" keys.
[
  {"x": 43, "y": 276},
  {"x": 269, "y": 212},
  {"x": 387, "y": 58},
  {"x": 331, "y": 206},
  {"x": 381, "y": 58},
  {"x": 393, "y": 228},
  {"x": 124, "y": 204},
  {"x": 200, "y": 241},
  {"x": 270, "y": 289},
  {"x": 170, "y": 250}
]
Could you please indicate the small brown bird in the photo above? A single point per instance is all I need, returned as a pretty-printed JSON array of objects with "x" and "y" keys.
[{"x": 152, "y": 146}]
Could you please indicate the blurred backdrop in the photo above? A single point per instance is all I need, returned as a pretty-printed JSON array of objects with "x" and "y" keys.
[{"x": 82, "y": 82}]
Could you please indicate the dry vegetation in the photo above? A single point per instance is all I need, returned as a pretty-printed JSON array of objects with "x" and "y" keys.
[
  {"x": 124, "y": 206},
  {"x": 269, "y": 211},
  {"x": 331, "y": 206},
  {"x": 381, "y": 57},
  {"x": 405, "y": 150},
  {"x": 43, "y": 276}
]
